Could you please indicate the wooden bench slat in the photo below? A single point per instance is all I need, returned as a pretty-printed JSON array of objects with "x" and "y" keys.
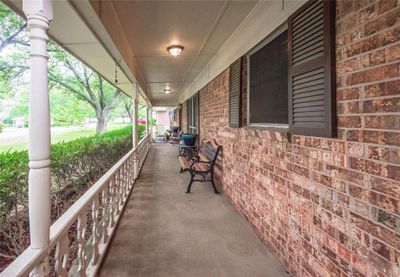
[{"x": 185, "y": 163}]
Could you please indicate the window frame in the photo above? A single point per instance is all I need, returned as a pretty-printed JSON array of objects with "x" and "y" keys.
[
  {"x": 268, "y": 39},
  {"x": 193, "y": 117}
]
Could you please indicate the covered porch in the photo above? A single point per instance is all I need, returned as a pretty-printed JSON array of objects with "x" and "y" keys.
[
  {"x": 302, "y": 95},
  {"x": 165, "y": 232}
]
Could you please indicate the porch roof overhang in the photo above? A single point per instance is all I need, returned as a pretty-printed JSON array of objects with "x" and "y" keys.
[{"x": 136, "y": 34}]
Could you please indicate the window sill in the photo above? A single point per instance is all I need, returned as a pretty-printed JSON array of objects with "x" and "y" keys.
[{"x": 282, "y": 130}]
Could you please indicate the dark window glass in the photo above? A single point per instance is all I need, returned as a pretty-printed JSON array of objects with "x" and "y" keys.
[
  {"x": 268, "y": 76},
  {"x": 193, "y": 114}
]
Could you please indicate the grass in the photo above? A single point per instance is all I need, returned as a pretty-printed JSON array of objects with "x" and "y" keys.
[{"x": 22, "y": 144}]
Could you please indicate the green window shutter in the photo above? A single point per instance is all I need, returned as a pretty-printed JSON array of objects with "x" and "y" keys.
[
  {"x": 311, "y": 46},
  {"x": 235, "y": 93}
]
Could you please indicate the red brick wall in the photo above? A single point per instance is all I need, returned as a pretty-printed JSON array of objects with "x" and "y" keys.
[{"x": 326, "y": 206}]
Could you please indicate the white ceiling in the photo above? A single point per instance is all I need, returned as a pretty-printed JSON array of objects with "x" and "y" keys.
[{"x": 201, "y": 27}]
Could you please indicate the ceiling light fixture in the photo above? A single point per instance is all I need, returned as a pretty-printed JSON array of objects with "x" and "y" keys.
[
  {"x": 167, "y": 91},
  {"x": 175, "y": 50}
]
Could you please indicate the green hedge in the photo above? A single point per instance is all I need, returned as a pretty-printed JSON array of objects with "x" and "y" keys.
[{"x": 74, "y": 165}]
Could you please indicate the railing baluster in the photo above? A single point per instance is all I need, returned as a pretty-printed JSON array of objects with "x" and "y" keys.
[
  {"x": 120, "y": 191},
  {"x": 128, "y": 174},
  {"x": 124, "y": 181},
  {"x": 106, "y": 214},
  {"x": 112, "y": 201},
  {"x": 132, "y": 171},
  {"x": 95, "y": 232},
  {"x": 117, "y": 192},
  {"x": 62, "y": 255},
  {"x": 81, "y": 232}
]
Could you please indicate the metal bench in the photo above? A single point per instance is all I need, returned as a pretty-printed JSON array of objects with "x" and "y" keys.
[{"x": 201, "y": 164}]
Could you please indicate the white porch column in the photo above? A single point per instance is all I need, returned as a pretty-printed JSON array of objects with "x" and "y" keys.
[
  {"x": 147, "y": 117},
  {"x": 39, "y": 14},
  {"x": 135, "y": 131},
  {"x": 150, "y": 118}
]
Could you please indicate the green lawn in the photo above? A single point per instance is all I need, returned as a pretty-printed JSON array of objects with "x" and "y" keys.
[{"x": 21, "y": 144}]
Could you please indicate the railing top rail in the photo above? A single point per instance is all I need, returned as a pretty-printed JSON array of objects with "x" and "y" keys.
[{"x": 143, "y": 139}]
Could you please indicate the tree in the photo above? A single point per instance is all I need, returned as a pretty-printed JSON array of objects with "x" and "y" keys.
[
  {"x": 71, "y": 75},
  {"x": 13, "y": 28},
  {"x": 12, "y": 80},
  {"x": 128, "y": 105},
  {"x": 67, "y": 110},
  {"x": 12, "y": 33},
  {"x": 65, "y": 72}
]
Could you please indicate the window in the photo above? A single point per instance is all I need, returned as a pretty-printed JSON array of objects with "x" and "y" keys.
[
  {"x": 193, "y": 112},
  {"x": 268, "y": 82},
  {"x": 291, "y": 77}
]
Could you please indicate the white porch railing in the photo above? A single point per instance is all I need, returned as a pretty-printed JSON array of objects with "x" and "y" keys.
[{"x": 80, "y": 237}]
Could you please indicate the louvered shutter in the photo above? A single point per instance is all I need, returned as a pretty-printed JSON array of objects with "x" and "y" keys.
[
  {"x": 235, "y": 89},
  {"x": 311, "y": 38}
]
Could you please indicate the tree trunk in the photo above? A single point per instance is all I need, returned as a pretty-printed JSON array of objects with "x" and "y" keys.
[{"x": 102, "y": 118}]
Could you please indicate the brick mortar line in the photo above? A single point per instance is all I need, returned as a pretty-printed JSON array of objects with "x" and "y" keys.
[
  {"x": 366, "y": 68},
  {"x": 366, "y": 21},
  {"x": 353, "y": 252},
  {"x": 362, "y": 9},
  {"x": 397, "y": 131},
  {"x": 360, "y": 114},
  {"x": 344, "y": 47},
  {"x": 348, "y": 209},
  {"x": 394, "y": 62},
  {"x": 373, "y": 160},
  {"x": 337, "y": 177},
  {"x": 374, "y": 237},
  {"x": 352, "y": 142},
  {"x": 363, "y": 85},
  {"x": 347, "y": 74},
  {"x": 384, "y": 97},
  {"x": 316, "y": 259},
  {"x": 359, "y": 55},
  {"x": 339, "y": 242},
  {"x": 339, "y": 49},
  {"x": 336, "y": 240},
  {"x": 362, "y": 39},
  {"x": 381, "y": 163},
  {"x": 377, "y": 207},
  {"x": 372, "y": 204},
  {"x": 348, "y": 155}
]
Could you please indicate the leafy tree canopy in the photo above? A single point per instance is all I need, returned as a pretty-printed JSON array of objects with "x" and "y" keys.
[{"x": 76, "y": 91}]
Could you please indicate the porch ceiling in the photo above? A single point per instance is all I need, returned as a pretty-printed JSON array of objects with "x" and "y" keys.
[{"x": 201, "y": 27}]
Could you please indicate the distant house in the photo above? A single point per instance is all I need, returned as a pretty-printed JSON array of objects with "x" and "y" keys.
[{"x": 19, "y": 122}]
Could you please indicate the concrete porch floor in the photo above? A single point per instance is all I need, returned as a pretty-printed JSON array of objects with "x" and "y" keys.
[{"x": 165, "y": 232}]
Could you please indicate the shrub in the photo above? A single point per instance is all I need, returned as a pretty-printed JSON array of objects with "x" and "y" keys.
[
  {"x": 75, "y": 166},
  {"x": 2, "y": 126}
]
